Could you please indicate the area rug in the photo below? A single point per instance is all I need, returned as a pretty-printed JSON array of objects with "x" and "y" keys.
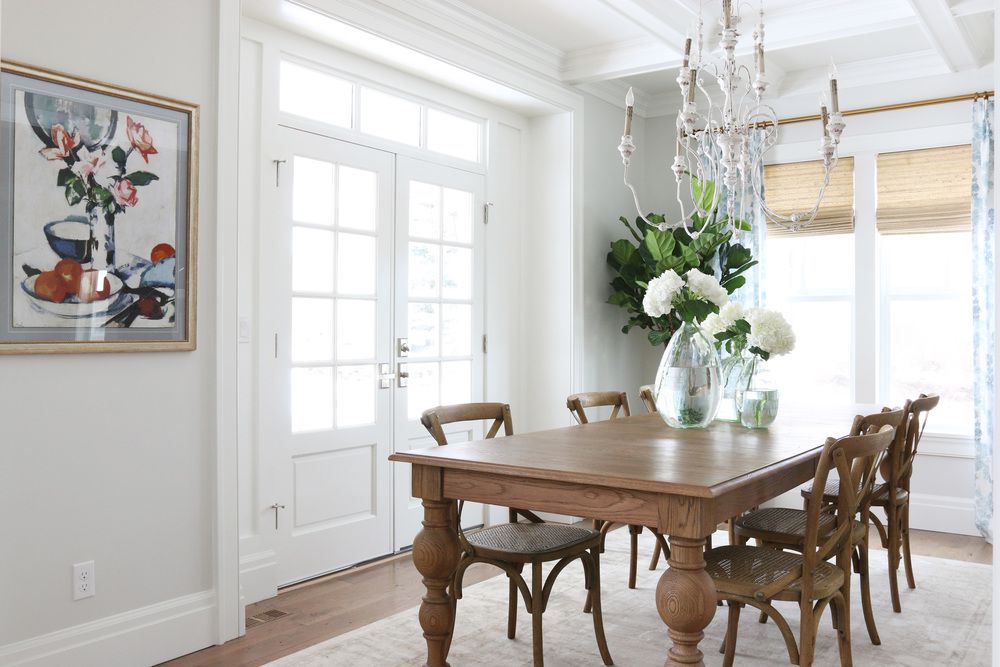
[{"x": 945, "y": 622}]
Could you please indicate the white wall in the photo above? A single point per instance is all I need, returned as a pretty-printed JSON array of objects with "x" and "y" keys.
[
  {"x": 110, "y": 457},
  {"x": 611, "y": 360}
]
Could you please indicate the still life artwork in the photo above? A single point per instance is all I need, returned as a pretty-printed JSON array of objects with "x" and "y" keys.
[{"x": 96, "y": 190}]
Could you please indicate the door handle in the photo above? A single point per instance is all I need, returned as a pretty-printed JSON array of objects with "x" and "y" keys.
[
  {"x": 403, "y": 375},
  {"x": 276, "y": 507}
]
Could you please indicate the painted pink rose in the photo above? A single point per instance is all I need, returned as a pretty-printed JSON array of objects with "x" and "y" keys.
[
  {"x": 125, "y": 193},
  {"x": 89, "y": 162},
  {"x": 64, "y": 143},
  {"x": 140, "y": 138}
]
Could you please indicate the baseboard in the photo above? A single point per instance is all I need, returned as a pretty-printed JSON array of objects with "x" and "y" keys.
[
  {"x": 944, "y": 514},
  {"x": 144, "y": 636},
  {"x": 258, "y": 576}
]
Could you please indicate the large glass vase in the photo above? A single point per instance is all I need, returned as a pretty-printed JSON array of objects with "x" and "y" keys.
[{"x": 688, "y": 383}]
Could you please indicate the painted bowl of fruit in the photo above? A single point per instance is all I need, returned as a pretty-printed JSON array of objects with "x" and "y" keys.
[
  {"x": 70, "y": 238},
  {"x": 71, "y": 291}
]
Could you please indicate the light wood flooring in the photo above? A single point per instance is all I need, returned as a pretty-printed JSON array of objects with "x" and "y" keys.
[{"x": 331, "y": 606}]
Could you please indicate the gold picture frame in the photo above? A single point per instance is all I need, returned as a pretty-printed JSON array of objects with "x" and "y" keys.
[{"x": 118, "y": 271}]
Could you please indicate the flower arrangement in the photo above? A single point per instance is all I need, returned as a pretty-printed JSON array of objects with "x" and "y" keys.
[
  {"x": 650, "y": 253},
  {"x": 761, "y": 332},
  {"x": 695, "y": 296},
  {"x": 82, "y": 178}
]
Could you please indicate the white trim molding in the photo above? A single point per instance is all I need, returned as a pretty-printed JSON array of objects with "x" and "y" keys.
[{"x": 143, "y": 636}]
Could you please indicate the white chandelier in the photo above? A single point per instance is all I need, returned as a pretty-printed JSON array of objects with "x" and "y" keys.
[{"x": 713, "y": 136}]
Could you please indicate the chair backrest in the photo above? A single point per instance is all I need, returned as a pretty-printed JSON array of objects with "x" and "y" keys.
[
  {"x": 894, "y": 417},
  {"x": 916, "y": 422},
  {"x": 646, "y": 394},
  {"x": 595, "y": 399},
  {"x": 434, "y": 419},
  {"x": 855, "y": 458}
]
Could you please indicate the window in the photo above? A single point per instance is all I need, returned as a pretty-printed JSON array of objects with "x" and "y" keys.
[
  {"x": 453, "y": 135},
  {"x": 390, "y": 117},
  {"x": 810, "y": 279},
  {"x": 313, "y": 94}
]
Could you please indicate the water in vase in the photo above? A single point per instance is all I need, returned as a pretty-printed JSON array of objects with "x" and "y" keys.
[{"x": 688, "y": 397}]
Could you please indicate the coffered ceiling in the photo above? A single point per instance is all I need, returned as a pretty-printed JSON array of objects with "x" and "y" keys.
[{"x": 607, "y": 45}]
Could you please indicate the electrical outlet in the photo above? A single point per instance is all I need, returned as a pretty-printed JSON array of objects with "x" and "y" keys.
[{"x": 84, "y": 582}]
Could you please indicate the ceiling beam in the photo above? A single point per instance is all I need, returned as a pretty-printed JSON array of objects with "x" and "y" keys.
[
  {"x": 945, "y": 34},
  {"x": 970, "y": 7},
  {"x": 668, "y": 22}
]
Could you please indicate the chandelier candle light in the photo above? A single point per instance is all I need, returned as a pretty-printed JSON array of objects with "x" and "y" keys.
[{"x": 714, "y": 147}]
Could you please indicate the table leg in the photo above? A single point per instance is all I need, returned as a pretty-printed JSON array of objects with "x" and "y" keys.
[
  {"x": 685, "y": 598},
  {"x": 436, "y": 553}
]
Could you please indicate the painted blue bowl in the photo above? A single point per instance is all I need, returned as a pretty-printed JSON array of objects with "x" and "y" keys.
[{"x": 70, "y": 238}]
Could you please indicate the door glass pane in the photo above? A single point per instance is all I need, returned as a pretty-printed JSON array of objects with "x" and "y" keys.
[
  {"x": 355, "y": 395},
  {"x": 456, "y": 330},
  {"x": 307, "y": 92},
  {"x": 424, "y": 390},
  {"x": 457, "y": 278},
  {"x": 312, "y": 399},
  {"x": 423, "y": 329},
  {"x": 453, "y": 135},
  {"x": 312, "y": 329},
  {"x": 312, "y": 191},
  {"x": 423, "y": 269},
  {"x": 357, "y": 196},
  {"x": 390, "y": 117},
  {"x": 456, "y": 382},
  {"x": 312, "y": 252},
  {"x": 457, "y": 218},
  {"x": 355, "y": 264},
  {"x": 425, "y": 210},
  {"x": 355, "y": 329}
]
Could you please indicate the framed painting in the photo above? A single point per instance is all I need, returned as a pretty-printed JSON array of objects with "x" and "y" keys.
[{"x": 98, "y": 193}]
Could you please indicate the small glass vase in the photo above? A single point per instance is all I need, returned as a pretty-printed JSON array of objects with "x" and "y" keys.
[
  {"x": 688, "y": 382},
  {"x": 756, "y": 397},
  {"x": 732, "y": 370}
]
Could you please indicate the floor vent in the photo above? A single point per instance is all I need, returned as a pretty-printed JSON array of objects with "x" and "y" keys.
[{"x": 264, "y": 617}]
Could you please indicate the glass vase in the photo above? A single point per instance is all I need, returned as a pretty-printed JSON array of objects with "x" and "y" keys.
[
  {"x": 731, "y": 371},
  {"x": 688, "y": 382},
  {"x": 756, "y": 396}
]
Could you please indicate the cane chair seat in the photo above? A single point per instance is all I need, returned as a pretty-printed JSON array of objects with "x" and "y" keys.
[
  {"x": 782, "y": 525},
  {"x": 880, "y": 496},
  {"x": 530, "y": 541},
  {"x": 744, "y": 570}
]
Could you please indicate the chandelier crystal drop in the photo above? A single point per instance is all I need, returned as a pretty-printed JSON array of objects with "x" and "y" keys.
[{"x": 714, "y": 134}]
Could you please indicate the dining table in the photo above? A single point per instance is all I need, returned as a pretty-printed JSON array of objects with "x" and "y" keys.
[{"x": 635, "y": 470}]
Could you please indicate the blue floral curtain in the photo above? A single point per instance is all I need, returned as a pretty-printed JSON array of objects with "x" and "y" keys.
[{"x": 983, "y": 308}]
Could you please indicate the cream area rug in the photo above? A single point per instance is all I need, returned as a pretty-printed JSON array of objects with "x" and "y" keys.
[{"x": 945, "y": 622}]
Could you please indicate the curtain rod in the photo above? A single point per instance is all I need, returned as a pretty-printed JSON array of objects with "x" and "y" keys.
[{"x": 890, "y": 107}]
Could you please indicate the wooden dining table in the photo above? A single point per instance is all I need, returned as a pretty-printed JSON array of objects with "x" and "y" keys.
[{"x": 634, "y": 470}]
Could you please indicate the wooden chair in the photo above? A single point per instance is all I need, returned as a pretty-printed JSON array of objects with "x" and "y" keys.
[
  {"x": 756, "y": 576},
  {"x": 646, "y": 394},
  {"x": 511, "y": 546},
  {"x": 896, "y": 471},
  {"x": 785, "y": 528},
  {"x": 618, "y": 402}
]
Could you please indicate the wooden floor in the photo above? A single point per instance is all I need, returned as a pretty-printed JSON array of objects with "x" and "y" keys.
[{"x": 319, "y": 610}]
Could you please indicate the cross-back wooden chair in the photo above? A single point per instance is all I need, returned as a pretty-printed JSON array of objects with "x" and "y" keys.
[
  {"x": 756, "y": 576},
  {"x": 618, "y": 402},
  {"x": 646, "y": 394},
  {"x": 892, "y": 495},
  {"x": 785, "y": 528},
  {"x": 513, "y": 545}
]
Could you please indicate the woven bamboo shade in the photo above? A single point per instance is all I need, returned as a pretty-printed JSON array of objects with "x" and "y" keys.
[
  {"x": 792, "y": 188},
  {"x": 927, "y": 190}
]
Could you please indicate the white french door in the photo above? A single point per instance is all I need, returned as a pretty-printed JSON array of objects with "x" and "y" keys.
[
  {"x": 371, "y": 283},
  {"x": 439, "y": 314}
]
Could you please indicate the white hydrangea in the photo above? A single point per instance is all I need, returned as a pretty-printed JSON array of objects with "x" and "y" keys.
[
  {"x": 658, "y": 300},
  {"x": 731, "y": 312},
  {"x": 770, "y": 331},
  {"x": 712, "y": 325},
  {"x": 706, "y": 287}
]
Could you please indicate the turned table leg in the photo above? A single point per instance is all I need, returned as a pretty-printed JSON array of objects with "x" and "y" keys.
[
  {"x": 685, "y": 598},
  {"x": 435, "y": 554}
]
